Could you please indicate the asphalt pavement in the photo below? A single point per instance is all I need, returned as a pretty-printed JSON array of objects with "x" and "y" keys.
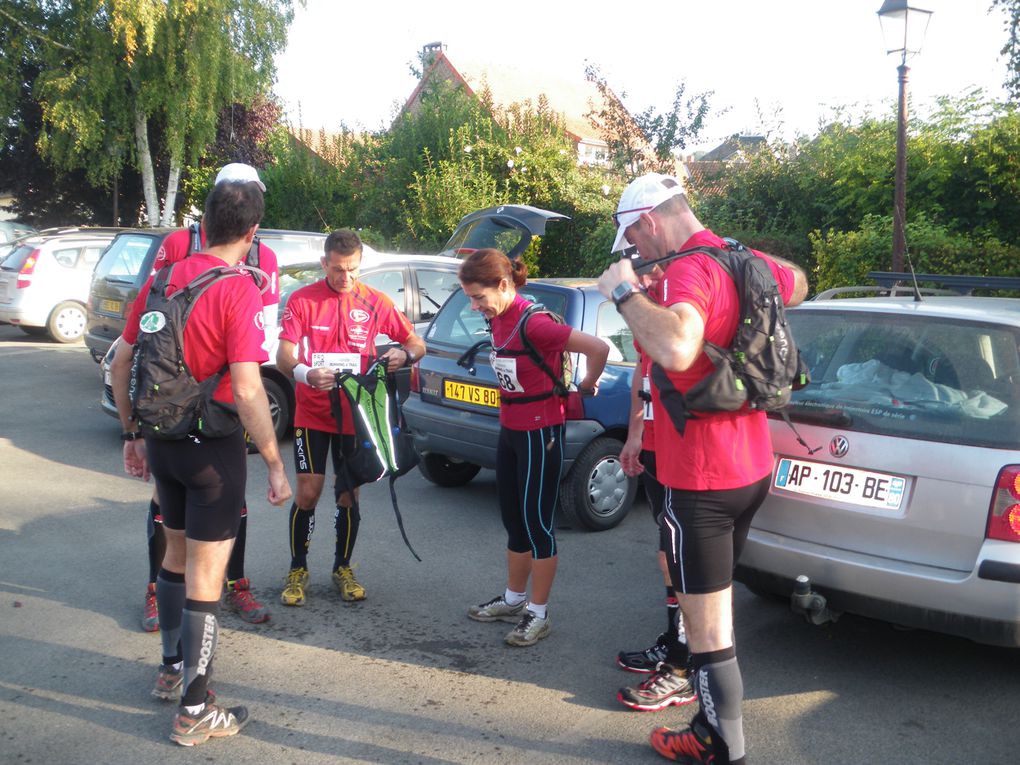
[{"x": 405, "y": 676}]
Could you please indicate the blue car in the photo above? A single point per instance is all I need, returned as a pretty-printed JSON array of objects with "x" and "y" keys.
[{"x": 453, "y": 410}]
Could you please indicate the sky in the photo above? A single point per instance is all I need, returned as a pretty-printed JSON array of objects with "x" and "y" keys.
[{"x": 792, "y": 61}]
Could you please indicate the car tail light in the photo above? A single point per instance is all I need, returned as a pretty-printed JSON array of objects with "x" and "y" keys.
[
  {"x": 25, "y": 274},
  {"x": 1004, "y": 514},
  {"x": 415, "y": 379},
  {"x": 575, "y": 406}
]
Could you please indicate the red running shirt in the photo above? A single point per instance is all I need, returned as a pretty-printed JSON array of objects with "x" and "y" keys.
[
  {"x": 725, "y": 450},
  {"x": 520, "y": 376},
  {"x": 226, "y": 325},
  {"x": 320, "y": 320},
  {"x": 176, "y": 245}
]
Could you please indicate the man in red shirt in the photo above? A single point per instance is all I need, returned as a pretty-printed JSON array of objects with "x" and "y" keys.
[
  {"x": 327, "y": 327},
  {"x": 201, "y": 479},
  {"x": 717, "y": 472},
  {"x": 175, "y": 247}
]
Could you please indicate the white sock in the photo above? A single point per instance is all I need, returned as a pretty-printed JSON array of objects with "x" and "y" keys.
[
  {"x": 514, "y": 598},
  {"x": 538, "y": 610},
  {"x": 194, "y": 710}
]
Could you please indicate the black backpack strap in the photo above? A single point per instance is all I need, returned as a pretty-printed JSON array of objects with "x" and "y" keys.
[
  {"x": 530, "y": 350},
  {"x": 252, "y": 258},
  {"x": 194, "y": 238}
]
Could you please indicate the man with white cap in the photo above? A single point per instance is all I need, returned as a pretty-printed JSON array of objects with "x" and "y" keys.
[
  {"x": 176, "y": 246},
  {"x": 716, "y": 474}
]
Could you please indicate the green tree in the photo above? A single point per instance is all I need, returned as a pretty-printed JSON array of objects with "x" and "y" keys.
[
  {"x": 123, "y": 67},
  {"x": 647, "y": 140},
  {"x": 1011, "y": 50}
]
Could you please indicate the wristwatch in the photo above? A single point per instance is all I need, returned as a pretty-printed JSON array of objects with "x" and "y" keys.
[
  {"x": 132, "y": 436},
  {"x": 623, "y": 292},
  {"x": 410, "y": 357}
]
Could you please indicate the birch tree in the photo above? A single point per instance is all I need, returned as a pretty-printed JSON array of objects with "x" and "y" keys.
[{"x": 125, "y": 69}]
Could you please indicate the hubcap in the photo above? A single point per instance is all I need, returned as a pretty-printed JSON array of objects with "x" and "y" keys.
[
  {"x": 607, "y": 486},
  {"x": 71, "y": 323}
]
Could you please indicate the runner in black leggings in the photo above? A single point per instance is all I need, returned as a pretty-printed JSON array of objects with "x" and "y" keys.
[{"x": 529, "y": 457}]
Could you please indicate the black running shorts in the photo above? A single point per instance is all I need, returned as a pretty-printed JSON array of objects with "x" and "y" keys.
[
  {"x": 200, "y": 483},
  {"x": 311, "y": 446},
  {"x": 705, "y": 533}
]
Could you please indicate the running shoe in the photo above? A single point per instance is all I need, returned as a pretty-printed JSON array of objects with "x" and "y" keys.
[
  {"x": 644, "y": 662},
  {"x": 150, "y": 615},
  {"x": 529, "y": 630},
  {"x": 294, "y": 590},
  {"x": 213, "y": 721},
  {"x": 497, "y": 610},
  {"x": 242, "y": 602},
  {"x": 667, "y": 686},
  {"x": 168, "y": 682},
  {"x": 691, "y": 746},
  {"x": 349, "y": 587}
]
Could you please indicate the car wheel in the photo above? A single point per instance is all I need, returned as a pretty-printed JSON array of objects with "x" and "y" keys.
[
  {"x": 596, "y": 492},
  {"x": 446, "y": 471},
  {"x": 279, "y": 407},
  {"x": 67, "y": 322}
]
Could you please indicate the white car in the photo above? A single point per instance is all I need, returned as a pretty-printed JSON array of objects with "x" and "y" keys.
[{"x": 44, "y": 282}]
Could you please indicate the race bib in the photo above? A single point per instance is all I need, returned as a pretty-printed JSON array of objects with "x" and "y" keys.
[
  {"x": 339, "y": 362},
  {"x": 506, "y": 374},
  {"x": 646, "y": 386}
]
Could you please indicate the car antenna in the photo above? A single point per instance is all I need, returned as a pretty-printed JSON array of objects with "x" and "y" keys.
[{"x": 913, "y": 277}]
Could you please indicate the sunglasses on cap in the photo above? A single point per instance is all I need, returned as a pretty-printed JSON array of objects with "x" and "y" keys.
[{"x": 618, "y": 213}]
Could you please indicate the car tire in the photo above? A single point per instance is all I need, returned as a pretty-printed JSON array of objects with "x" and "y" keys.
[
  {"x": 279, "y": 407},
  {"x": 67, "y": 322},
  {"x": 446, "y": 471},
  {"x": 596, "y": 492}
]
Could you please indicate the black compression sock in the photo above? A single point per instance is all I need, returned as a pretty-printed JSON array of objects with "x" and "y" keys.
[
  {"x": 347, "y": 522},
  {"x": 199, "y": 631},
  {"x": 170, "y": 598},
  {"x": 235, "y": 566},
  {"x": 157, "y": 540},
  {"x": 672, "y": 609},
  {"x": 299, "y": 529},
  {"x": 720, "y": 693}
]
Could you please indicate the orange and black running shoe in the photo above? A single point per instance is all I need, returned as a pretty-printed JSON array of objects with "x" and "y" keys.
[{"x": 691, "y": 746}]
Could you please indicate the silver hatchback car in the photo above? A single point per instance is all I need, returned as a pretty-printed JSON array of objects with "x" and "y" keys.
[
  {"x": 909, "y": 510},
  {"x": 44, "y": 281}
]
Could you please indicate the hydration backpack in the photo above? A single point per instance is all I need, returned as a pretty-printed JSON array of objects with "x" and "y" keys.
[
  {"x": 562, "y": 377},
  {"x": 382, "y": 445},
  {"x": 762, "y": 366},
  {"x": 195, "y": 245},
  {"x": 166, "y": 400}
]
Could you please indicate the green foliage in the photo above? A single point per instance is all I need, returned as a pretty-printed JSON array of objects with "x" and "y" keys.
[
  {"x": 845, "y": 257},
  {"x": 1011, "y": 49}
]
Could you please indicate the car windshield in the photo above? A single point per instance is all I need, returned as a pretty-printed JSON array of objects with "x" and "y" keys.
[
  {"x": 16, "y": 259},
  {"x": 124, "y": 259},
  {"x": 930, "y": 378},
  {"x": 295, "y": 277},
  {"x": 456, "y": 324},
  {"x": 488, "y": 232}
]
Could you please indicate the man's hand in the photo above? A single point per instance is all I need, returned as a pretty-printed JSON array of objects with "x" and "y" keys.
[
  {"x": 395, "y": 358},
  {"x": 279, "y": 487},
  {"x": 630, "y": 457},
  {"x": 135, "y": 462},
  {"x": 322, "y": 378},
  {"x": 621, "y": 271}
]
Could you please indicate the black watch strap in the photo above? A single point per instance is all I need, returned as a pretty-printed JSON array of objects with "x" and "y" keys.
[{"x": 133, "y": 436}]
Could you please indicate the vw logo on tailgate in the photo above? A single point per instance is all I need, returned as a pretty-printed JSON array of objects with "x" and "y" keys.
[{"x": 839, "y": 446}]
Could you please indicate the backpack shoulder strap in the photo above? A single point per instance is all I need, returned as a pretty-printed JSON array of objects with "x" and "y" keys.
[
  {"x": 194, "y": 238},
  {"x": 559, "y": 389},
  {"x": 252, "y": 258}
]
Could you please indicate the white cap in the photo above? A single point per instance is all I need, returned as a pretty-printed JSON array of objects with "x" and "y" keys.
[
  {"x": 642, "y": 195},
  {"x": 238, "y": 172}
]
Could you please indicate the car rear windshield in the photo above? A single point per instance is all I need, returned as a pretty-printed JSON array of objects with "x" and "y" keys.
[
  {"x": 487, "y": 232},
  {"x": 125, "y": 258},
  {"x": 931, "y": 378},
  {"x": 457, "y": 325},
  {"x": 16, "y": 259}
]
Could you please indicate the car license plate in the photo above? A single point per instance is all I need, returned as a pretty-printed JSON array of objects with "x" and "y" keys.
[
  {"x": 472, "y": 394},
  {"x": 110, "y": 306},
  {"x": 842, "y": 484}
]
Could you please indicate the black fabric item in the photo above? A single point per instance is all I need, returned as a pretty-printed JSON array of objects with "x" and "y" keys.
[
  {"x": 235, "y": 565},
  {"x": 170, "y": 598},
  {"x": 299, "y": 531},
  {"x": 720, "y": 693},
  {"x": 157, "y": 540},
  {"x": 346, "y": 521},
  {"x": 199, "y": 635}
]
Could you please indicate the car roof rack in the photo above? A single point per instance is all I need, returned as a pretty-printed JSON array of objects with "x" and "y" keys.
[{"x": 960, "y": 285}]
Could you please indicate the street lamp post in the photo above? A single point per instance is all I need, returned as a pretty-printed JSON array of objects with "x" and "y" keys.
[{"x": 904, "y": 26}]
